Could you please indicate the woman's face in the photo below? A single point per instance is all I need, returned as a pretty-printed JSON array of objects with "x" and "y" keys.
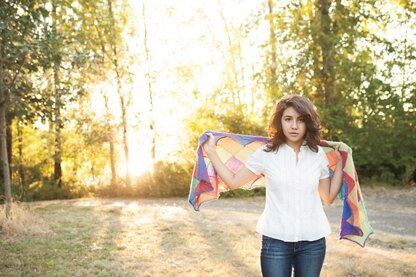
[{"x": 294, "y": 126}]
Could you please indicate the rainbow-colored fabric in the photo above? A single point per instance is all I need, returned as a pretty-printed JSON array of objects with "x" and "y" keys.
[{"x": 234, "y": 149}]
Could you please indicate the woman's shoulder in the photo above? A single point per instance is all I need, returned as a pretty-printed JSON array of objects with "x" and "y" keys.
[
  {"x": 321, "y": 149},
  {"x": 264, "y": 150},
  {"x": 321, "y": 152}
]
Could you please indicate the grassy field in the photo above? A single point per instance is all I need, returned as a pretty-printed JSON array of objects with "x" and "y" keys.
[{"x": 165, "y": 237}]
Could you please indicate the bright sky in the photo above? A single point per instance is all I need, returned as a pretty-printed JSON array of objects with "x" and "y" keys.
[{"x": 186, "y": 34}]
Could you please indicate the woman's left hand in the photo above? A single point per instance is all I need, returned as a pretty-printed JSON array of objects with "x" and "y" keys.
[{"x": 339, "y": 156}]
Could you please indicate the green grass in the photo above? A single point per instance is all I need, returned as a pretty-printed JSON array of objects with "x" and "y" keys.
[
  {"x": 159, "y": 237},
  {"x": 80, "y": 241}
]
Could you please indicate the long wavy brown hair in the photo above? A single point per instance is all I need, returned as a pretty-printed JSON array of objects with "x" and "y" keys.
[{"x": 308, "y": 112}]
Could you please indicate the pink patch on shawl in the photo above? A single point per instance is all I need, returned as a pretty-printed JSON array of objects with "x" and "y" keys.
[{"x": 234, "y": 164}]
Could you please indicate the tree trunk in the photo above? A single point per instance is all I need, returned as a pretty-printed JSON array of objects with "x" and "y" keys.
[
  {"x": 272, "y": 80},
  {"x": 328, "y": 60},
  {"x": 231, "y": 55},
  {"x": 9, "y": 139},
  {"x": 314, "y": 23},
  {"x": 57, "y": 176},
  {"x": 112, "y": 162},
  {"x": 3, "y": 141},
  {"x": 123, "y": 104},
  {"x": 4, "y": 158},
  {"x": 125, "y": 141},
  {"x": 20, "y": 167},
  {"x": 111, "y": 142},
  {"x": 150, "y": 91},
  {"x": 110, "y": 131},
  {"x": 57, "y": 120}
]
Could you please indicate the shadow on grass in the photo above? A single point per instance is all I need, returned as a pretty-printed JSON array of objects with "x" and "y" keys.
[
  {"x": 81, "y": 242},
  {"x": 220, "y": 249}
]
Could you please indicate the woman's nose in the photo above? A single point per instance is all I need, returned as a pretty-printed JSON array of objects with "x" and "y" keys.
[{"x": 294, "y": 124}]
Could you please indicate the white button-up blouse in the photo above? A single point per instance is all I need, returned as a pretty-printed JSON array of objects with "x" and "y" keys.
[{"x": 293, "y": 210}]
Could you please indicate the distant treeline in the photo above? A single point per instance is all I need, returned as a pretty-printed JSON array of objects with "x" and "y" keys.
[{"x": 356, "y": 60}]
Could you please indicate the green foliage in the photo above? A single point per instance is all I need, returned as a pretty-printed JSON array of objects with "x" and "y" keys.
[
  {"x": 223, "y": 118},
  {"x": 360, "y": 78},
  {"x": 32, "y": 163},
  {"x": 169, "y": 179},
  {"x": 49, "y": 191},
  {"x": 244, "y": 193},
  {"x": 346, "y": 58}
]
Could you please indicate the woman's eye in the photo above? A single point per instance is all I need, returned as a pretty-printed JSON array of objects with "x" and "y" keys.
[{"x": 301, "y": 120}]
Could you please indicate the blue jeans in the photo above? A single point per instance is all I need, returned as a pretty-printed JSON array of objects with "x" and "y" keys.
[{"x": 278, "y": 257}]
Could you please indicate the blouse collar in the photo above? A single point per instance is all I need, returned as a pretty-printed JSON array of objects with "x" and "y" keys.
[{"x": 303, "y": 147}]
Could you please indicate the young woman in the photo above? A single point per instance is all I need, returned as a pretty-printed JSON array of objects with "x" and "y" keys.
[{"x": 293, "y": 224}]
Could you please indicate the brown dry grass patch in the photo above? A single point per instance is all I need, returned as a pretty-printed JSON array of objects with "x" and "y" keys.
[
  {"x": 159, "y": 237},
  {"x": 22, "y": 220}
]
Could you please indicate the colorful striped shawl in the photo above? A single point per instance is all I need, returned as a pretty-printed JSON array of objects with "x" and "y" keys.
[{"x": 234, "y": 149}]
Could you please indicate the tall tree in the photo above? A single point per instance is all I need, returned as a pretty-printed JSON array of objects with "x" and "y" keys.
[
  {"x": 111, "y": 142},
  {"x": 116, "y": 43},
  {"x": 149, "y": 88},
  {"x": 232, "y": 55},
  {"x": 63, "y": 58},
  {"x": 18, "y": 47},
  {"x": 106, "y": 28},
  {"x": 272, "y": 53},
  {"x": 56, "y": 119},
  {"x": 95, "y": 24},
  {"x": 3, "y": 137}
]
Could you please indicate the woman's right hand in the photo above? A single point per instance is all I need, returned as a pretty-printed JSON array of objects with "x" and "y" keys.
[
  {"x": 209, "y": 145},
  {"x": 230, "y": 179}
]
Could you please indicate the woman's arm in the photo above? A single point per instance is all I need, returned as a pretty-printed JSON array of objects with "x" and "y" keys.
[
  {"x": 231, "y": 180},
  {"x": 329, "y": 187}
]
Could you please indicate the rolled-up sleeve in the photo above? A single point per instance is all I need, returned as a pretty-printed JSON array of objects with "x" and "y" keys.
[
  {"x": 324, "y": 166},
  {"x": 255, "y": 162}
]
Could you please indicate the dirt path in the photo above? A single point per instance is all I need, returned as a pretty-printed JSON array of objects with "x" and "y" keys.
[
  {"x": 166, "y": 237},
  {"x": 389, "y": 210}
]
